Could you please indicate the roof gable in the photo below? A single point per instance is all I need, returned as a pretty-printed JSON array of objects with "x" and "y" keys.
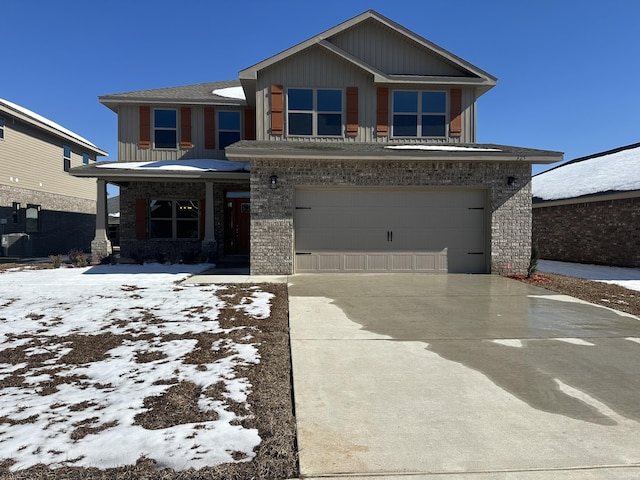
[{"x": 429, "y": 62}]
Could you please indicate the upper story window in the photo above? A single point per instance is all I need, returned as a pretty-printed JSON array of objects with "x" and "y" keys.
[
  {"x": 1, "y": 128},
  {"x": 228, "y": 128},
  {"x": 314, "y": 112},
  {"x": 66, "y": 157},
  {"x": 419, "y": 114},
  {"x": 85, "y": 159},
  {"x": 165, "y": 128}
]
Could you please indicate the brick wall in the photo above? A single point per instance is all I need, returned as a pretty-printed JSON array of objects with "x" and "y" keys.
[
  {"x": 606, "y": 232},
  {"x": 65, "y": 222},
  {"x": 272, "y": 210}
]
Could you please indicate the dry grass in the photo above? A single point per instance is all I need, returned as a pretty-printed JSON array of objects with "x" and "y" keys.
[{"x": 270, "y": 399}]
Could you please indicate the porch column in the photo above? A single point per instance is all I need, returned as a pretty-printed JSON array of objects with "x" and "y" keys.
[
  {"x": 209, "y": 249},
  {"x": 101, "y": 245}
]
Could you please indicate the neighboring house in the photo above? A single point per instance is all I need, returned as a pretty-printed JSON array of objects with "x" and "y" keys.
[
  {"x": 352, "y": 151},
  {"x": 588, "y": 210},
  {"x": 43, "y": 209}
]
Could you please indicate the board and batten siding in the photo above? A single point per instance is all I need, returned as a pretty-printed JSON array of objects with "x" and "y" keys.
[
  {"x": 32, "y": 159},
  {"x": 129, "y": 135},
  {"x": 318, "y": 68},
  {"x": 391, "y": 52}
]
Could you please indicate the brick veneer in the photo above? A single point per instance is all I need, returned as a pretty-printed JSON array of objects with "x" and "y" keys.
[
  {"x": 272, "y": 210},
  {"x": 65, "y": 222},
  {"x": 605, "y": 232}
]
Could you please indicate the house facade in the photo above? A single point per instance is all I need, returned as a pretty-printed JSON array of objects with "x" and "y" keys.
[
  {"x": 588, "y": 210},
  {"x": 43, "y": 209},
  {"x": 353, "y": 151}
]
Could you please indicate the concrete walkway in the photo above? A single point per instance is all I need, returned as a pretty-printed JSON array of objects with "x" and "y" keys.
[{"x": 409, "y": 376}]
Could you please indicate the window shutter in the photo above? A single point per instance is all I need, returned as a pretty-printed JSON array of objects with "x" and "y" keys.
[
  {"x": 249, "y": 124},
  {"x": 209, "y": 128},
  {"x": 382, "y": 117},
  {"x": 185, "y": 128},
  {"x": 455, "y": 111},
  {"x": 352, "y": 111},
  {"x": 141, "y": 219},
  {"x": 145, "y": 127},
  {"x": 277, "y": 110}
]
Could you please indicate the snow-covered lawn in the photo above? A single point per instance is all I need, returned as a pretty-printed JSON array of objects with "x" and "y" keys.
[
  {"x": 103, "y": 366},
  {"x": 625, "y": 277}
]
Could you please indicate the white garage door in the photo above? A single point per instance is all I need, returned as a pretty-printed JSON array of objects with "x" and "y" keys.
[{"x": 374, "y": 230}]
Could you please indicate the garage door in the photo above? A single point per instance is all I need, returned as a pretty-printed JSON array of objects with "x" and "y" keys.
[{"x": 374, "y": 230}]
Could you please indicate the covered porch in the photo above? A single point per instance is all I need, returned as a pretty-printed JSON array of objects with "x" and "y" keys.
[{"x": 174, "y": 211}]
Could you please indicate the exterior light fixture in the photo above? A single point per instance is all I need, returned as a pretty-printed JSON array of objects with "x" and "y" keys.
[
  {"x": 273, "y": 182},
  {"x": 511, "y": 181}
]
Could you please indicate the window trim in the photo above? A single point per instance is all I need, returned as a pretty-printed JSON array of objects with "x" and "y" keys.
[
  {"x": 315, "y": 113},
  {"x": 175, "y": 129},
  {"x": 85, "y": 158},
  {"x": 66, "y": 159},
  {"x": 1, "y": 128},
  {"x": 419, "y": 114},
  {"x": 174, "y": 219}
]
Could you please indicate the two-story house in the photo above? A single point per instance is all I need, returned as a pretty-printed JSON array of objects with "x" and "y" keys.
[
  {"x": 43, "y": 210},
  {"x": 352, "y": 151}
]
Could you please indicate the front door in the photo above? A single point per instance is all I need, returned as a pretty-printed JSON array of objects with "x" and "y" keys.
[{"x": 237, "y": 223}]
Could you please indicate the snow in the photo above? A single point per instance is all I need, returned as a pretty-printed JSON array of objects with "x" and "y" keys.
[
  {"x": 230, "y": 92},
  {"x": 46, "y": 121},
  {"x": 625, "y": 277},
  {"x": 616, "y": 172},
  {"x": 191, "y": 165},
  {"x": 148, "y": 312},
  {"x": 443, "y": 148}
]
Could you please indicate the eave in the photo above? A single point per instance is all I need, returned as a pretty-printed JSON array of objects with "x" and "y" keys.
[{"x": 252, "y": 150}]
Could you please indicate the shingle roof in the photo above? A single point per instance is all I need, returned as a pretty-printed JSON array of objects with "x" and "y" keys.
[
  {"x": 612, "y": 171},
  {"x": 198, "y": 93},
  {"x": 386, "y": 151}
]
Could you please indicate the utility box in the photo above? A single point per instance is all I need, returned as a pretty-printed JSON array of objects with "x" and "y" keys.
[{"x": 15, "y": 245}]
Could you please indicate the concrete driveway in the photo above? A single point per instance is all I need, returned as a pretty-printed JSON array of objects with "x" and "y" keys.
[{"x": 461, "y": 376}]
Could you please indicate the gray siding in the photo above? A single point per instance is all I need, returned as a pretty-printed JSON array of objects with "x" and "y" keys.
[
  {"x": 318, "y": 68},
  {"x": 391, "y": 52},
  {"x": 128, "y": 136}
]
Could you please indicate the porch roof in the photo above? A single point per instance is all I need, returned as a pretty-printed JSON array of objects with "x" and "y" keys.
[
  {"x": 433, "y": 152},
  {"x": 165, "y": 170}
]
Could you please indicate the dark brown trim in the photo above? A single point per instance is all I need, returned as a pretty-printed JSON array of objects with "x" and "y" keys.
[
  {"x": 249, "y": 124},
  {"x": 352, "y": 112},
  {"x": 185, "y": 128},
  {"x": 455, "y": 113},
  {"x": 145, "y": 127},
  {"x": 209, "y": 128},
  {"x": 277, "y": 110},
  {"x": 382, "y": 112}
]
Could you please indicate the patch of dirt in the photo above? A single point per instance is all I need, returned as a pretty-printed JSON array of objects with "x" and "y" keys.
[
  {"x": 270, "y": 400},
  {"x": 600, "y": 293}
]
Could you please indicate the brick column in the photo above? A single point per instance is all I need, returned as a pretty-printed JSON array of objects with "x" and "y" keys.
[{"x": 209, "y": 246}]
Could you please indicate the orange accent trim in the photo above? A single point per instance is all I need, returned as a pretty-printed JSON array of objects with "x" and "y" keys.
[
  {"x": 277, "y": 110},
  {"x": 352, "y": 111},
  {"x": 185, "y": 128},
  {"x": 145, "y": 128},
  {"x": 455, "y": 112},
  {"x": 382, "y": 115}
]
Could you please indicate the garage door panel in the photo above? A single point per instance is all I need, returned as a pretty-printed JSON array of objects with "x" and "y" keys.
[{"x": 390, "y": 230}]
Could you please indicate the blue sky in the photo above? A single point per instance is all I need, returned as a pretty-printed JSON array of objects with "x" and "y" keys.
[{"x": 568, "y": 70}]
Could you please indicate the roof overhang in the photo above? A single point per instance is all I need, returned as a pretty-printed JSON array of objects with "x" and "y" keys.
[
  {"x": 600, "y": 197},
  {"x": 451, "y": 152},
  {"x": 116, "y": 172}
]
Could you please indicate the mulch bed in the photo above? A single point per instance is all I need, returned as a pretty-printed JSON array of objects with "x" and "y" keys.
[{"x": 600, "y": 293}]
